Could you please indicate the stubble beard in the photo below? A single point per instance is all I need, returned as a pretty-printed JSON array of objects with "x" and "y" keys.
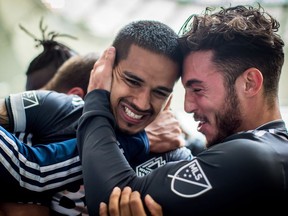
[{"x": 228, "y": 120}]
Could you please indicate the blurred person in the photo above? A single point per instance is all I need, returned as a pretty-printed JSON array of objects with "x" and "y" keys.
[
  {"x": 73, "y": 75},
  {"x": 231, "y": 70},
  {"x": 49, "y": 130},
  {"x": 43, "y": 67},
  {"x": 72, "y": 78}
]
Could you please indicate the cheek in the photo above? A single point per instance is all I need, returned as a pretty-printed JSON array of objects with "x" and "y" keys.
[{"x": 118, "y": 92}]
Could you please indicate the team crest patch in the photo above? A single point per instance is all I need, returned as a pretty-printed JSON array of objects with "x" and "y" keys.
[
  {"x": 29, "y": 99},
  {"x": 193, "y": 176},
  {"x": 147, "y": 167}
]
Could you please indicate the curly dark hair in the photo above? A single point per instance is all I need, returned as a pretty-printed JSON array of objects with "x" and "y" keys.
[{"x": 240, "y": 37}]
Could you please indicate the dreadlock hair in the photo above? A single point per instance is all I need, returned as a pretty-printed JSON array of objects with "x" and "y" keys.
[{"x": 43, "y": 67}]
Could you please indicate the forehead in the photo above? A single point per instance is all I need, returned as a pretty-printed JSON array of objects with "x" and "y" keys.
[
  {"x": 199, "y": 66},
  {"x": 151, "y": 67}
]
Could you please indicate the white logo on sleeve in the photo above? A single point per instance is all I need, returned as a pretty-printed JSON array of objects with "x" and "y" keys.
[
  {"x": 29, "y": 99},
  {"x": 147, "y": 167},
  {"x": 190, "y": 180}
]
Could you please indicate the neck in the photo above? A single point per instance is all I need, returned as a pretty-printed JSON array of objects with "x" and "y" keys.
[{"x": 259, "y": 115}]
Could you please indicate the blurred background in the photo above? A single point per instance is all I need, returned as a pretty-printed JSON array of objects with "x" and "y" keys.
[{"x": 95, "y": 23}]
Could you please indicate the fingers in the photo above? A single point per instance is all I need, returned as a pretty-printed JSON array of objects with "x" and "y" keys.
[
  {"x": 154, "y": 208},
  {"x": 118, "y": 203},
  {"x": 101, "y": 74},
  {"x": 165, "y": 133},
  {"x": 114, "y": 202},
  {"x": 125, "y": 201},
  {"x": 167, "y": 106},
  {"x": 137, "y": 207},
  {"x": 107, "y": 58},
  {"x": 136, "y": 204},
  {"x": 129, "y": 203},
  {"x": 103, "y": 209}
]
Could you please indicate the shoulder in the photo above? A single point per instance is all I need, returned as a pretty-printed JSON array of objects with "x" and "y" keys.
[
  {"x": 35, "y": 98},
  {"x": 257, "y": 152},
  {"x": 264, "y": 141}
]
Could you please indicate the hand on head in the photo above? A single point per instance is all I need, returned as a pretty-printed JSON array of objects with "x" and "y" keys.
[{"x": 101, "y": 74}]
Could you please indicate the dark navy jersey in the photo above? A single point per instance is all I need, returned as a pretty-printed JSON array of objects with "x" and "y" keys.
[
  {"x": 27, "y": 170},
  {"x": 245, "y": 173},
  {"x": 43, "y": 116},
  {"x": 40, "y": 170}
]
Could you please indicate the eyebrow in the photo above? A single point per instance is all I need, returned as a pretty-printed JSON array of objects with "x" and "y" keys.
[
  {"x": 192, "y": 81},
  {"x": 131, "y": 75}
]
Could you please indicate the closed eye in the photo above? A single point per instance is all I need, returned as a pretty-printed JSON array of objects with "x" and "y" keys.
[
  {"x": 161, "y": 94},
  {"x": 194, "y": 86},
  {"x": 132, "y": 82},
  {"x": 196, "y": 89},
  {"x": 131, "y": 79}
]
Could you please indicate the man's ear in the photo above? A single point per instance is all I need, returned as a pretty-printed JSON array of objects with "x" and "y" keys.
[
  {"x": 253, "y": 81},
  {"x": 77, "y": 91}
]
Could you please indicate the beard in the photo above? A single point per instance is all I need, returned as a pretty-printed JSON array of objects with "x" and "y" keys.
[{"x": 228, "y": 120}]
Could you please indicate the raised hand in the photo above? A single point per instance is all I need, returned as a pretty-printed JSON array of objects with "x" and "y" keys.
[
  {"x": 101, "y": 74},
  {"x": 165, "y": 131}
]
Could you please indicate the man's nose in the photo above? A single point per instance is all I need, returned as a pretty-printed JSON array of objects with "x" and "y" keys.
[
  {"x": 189, "y": 103},
  {"x": 143, "y": 100}
]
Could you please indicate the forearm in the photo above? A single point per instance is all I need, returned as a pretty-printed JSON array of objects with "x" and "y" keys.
[
  {"x": 39, "y": 168},
  {"x": 104, "y": 165}
]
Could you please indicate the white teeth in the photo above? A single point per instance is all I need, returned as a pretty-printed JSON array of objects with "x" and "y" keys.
[{"x": 131, "y": 114}]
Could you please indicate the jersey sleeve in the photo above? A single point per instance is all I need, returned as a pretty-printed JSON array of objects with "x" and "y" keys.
[
  {"x": 47, "y": 115},
  {"x": 39, "y": 168}
]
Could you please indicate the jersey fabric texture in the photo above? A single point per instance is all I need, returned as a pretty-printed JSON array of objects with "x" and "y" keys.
[
  {"x": 245, "y": 173},
  {"x": 43, "y": 116},
  {"x": 40, "y": 170}
]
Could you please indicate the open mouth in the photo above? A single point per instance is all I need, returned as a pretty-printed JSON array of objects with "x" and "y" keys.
[
  {"x": 202, "y": 121},
  {"x": 132, "y": 114}
]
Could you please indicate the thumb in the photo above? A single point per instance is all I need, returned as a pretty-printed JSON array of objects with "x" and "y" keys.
[{"x": 167, "y": 106}]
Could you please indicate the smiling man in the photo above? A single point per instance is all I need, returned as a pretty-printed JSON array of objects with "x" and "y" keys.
[{"x": 137, "y": 98}]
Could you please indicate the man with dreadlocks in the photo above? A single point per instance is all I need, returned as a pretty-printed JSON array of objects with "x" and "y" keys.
[
  {"x": 40, "y": 71},
  {"x": 43, "y": 67}
]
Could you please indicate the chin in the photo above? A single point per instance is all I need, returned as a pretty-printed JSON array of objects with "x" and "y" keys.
[{"x": 128, "y": 131}]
